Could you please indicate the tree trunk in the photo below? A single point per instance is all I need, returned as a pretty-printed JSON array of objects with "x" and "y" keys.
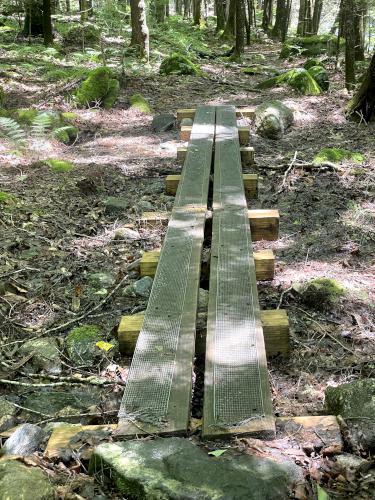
[
  {"x": 349, "y": 45},
  {"x": 160, "y": 11},
  {"x": 301, "y": 18},
  {"x": 360, "y": 29},
  {"x": 33, "y": 25},
  {"x": 140, "y": 36},
  {"x": 240, "y": 24},
  {"x": 318, "y": 6},
  {"x": 197, "y": 6},
  {"x": 229, "y": 30},
  {"x": 220, "y": 15},
  {"x": 362, "y": 106},
  {"x": 267, "y": 15},
  {"x": 47, "y": 23},
  {"x": 67, "y": 6},
  {"x": 280, "y": 28},
  {"x": 83, "y": 7},
  {"x": 178, "y": 7},
  {"x": 187, "y": 6}
]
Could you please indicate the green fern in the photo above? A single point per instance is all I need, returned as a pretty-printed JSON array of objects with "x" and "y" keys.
[
  {"x": 10, "y": 129},
  {"x": 41, "y": 124}
]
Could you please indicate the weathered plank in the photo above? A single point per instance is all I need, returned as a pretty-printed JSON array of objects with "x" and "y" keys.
[
  {"x": 247, "y": 155},
  {"x": 237, "y": 397},
  {"x": 241, "y": 112},
  {"x": 243, "y": 133},
  {"x": 158, "y": 391},
  {"x": 250, "y": 184}
]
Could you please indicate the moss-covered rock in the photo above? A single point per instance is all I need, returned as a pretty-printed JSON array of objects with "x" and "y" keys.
[
  {"x": 311, "y": 62},
  {"x": 355, "y": 402},
  {"x": 81, "y": 344},
  {"x": 298, "y": 78},
  {"x": 322, "y": 292},
  {"x": 69, "y": 117},
  {"x": 311, "y": 45},
  {"x": 138, "y": 102},
  {"x": 98, "y": 88},
  {"x": 289, "y": 50},
  {"x": 67, "y": 134},
  {"x": 17, "y": 481},
  {"x": 46, "y": 355},
  {"x": 87, "y": 34},
  {"x": 179, "y": 64},
  {"x": 272, "y": 119},
  {"x": 60, "y": 165},
  {"x": 321, "y": 76},
  {"x": 337, "y": 155}
]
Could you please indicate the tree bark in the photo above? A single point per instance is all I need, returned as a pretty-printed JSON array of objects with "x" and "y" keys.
[
  {"x": 349, "y": 45},
  {"x": 197, "y": 7},
  {"x": 317, "y": 14},
  {"x": 33, "y": 25},
  {"x": 362, "y": 106},
  {"x": 360, "y": 29},
  {"x": 240, "y": 24},
  {"x": 140, "y": 35},
  {"x": 267, "y": 15},
  {"x": 229, "y": 30},
  {"x": 220, "y": 15},
  {"x": 160, "y": 11},
  {"x": 301, "y": 18},
  {"x": 280, "y": 28},
  {"x": 47, "y": 23},
  {"x": 187, "y": 8}
]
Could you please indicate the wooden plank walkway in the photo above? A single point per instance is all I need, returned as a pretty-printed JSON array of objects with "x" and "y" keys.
[
  {"x": 158, "y": 391},
  {"x": 237, "y": 397}
]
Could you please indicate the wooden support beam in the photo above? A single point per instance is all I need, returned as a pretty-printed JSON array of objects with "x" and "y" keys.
[
  {"x": 264, "y": 224},
  {"x": 250, "y": 182},
  {"x": 243, "y": 134},
  {"x": 264, "y": 264},
  {"x": 275, "y": 330},
  {"x": 154, "y": 219},
  {"x": 247, "y": 155},
  {"x": 241, "y": 112}
]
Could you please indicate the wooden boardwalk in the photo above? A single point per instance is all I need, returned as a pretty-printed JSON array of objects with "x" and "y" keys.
[
  {"x": 237, "y": 396},
  {"x": 158, "y": 392}
]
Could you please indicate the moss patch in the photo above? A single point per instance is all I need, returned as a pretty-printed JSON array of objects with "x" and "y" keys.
[
  {"x": 336, "y": 155},
  {"x": 87, "y": 34},
  {"x": 60, "y": 165},
  {"x": 322, "y": 292},
  {"x": 66, "y": 134},
  {"x": 320, "y": 75},
  {"x": 299, "y": 79},
  {"x": 311, "y": 45},
  {"x": 179, "y": 64},
  {"x": 138, "y": 102},
  {"x": 98, "y": 88},
  {"x": 81, "y": 344},
  {"x": 26, "y": 116},
  {"x": 6, "y": 198}
]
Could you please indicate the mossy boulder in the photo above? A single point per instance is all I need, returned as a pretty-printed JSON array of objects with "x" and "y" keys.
[
  {"x": 311, "y": 45},
  {"x": 289, "y": 50},
  {"x": 7, "y": 414},
  {"x": 299, "y": 79},
  {"x": 81, "y": 344},
  {"x": 337, "y": 155},
  {"x": 321, "y": 76},
  {"x": 178, "y": 64},
  {"x": 66, "y": 134},
  {"x": 273, "y": 119},
  {"x": 355, "y": 402},
  {"x": 46, "y": 355},
  {"x": 311, "y": 62},
  {"x": 18, "y": 481},
  {"x": 98, "y": 88},
  {"x": 258, "y": 69},
  {"x": 58, "y": 166},
  {"x": 87, "y": 34},
  {"x": 139, "y": 103},
  {"x": 322, "y": 292}
]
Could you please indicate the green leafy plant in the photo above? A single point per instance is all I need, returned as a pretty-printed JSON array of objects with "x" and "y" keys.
[{"x": 10, "y": 129}]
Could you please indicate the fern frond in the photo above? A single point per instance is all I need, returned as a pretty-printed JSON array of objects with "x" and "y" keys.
[
  {"x": 10, "y": 129},
  {"x": 40, "y": 124}
]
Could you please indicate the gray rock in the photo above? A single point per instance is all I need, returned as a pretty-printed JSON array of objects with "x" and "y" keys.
[
  {"x": 102, "y": 280},
  {"x": 81, "y": 344},
  {"x": 174, "y": 468},
  {"x": 6, "y": 422},
  {"x": 145, "y": 205},
  {"x": 24, "y": 440},
  {"x": 141, "y": 288},
  {"x": 17, "y": 481},
  {"x": 202, "y": 300},
  {"x": 163, "y": 122},
  {"x": 46, "y": 355},
  {"x": 348, "y": 461},
  {"x": 6, "y": 408},
  {"x": 115, "y": 206},
  {"x": 355, "y": 402},
  {"x": 127, "y": 234},
  {"x": 272, "y": 119}
]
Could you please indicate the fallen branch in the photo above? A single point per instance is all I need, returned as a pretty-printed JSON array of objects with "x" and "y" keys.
[{"x": 287, "y": 172}]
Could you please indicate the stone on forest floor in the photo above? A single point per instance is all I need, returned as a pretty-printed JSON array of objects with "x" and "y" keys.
[
  {"x": 102, "y": 280},
  {"x": 127, "y": 234},
  {"x": 336, "y": 155},
  {"x": 355, "y": 402},
  {"x": 320, "y": 292},
  {"x": 272, "y": 119},
  {"x": 24, "y": 440},
  {"x": 175, "y": 468},
  {"x": 299, "y": 79},
  {"x": 99, "y": 88},
  {"x": 320, "y": 75},
  {"x": 7, "y": 413},
  {"x": 115, "y": 205},
  {"x": 17, "y": 481},
  {"x": 311, "y": 45},
  {"x": 81, "y": 344},
  {"x": 178, "y": 64},
  {"x": 46, "y": 355},
  {"x": 141, "y": 288},
  {"x": 163, "y": 122},
  {"x": 139, "y": 103},
  {"x": 86, "y": 33}
]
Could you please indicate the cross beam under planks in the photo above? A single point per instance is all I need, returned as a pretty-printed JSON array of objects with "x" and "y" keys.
[
  {"x": 158, "y": 390},
  {"x": 237, "y": 398}
]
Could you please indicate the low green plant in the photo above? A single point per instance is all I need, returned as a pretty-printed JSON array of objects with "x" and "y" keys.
[
  {"x": 337, "y": 155},
  {"x": 11, "y": 130},
  {"x": 58, "y": 166}
]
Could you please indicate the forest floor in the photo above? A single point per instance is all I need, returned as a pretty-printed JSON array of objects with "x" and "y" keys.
[{"x": 57, "y": 235}]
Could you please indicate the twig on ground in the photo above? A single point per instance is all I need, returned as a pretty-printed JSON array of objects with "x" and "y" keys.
[
  {"x": 282, "y": 296},
  {"x": 287, "y": 172}
]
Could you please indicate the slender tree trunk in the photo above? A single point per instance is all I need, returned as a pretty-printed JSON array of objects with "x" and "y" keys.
[
  {"x": 83, "y": 7},
  {"x": 33, "y": 24},
  {"x": 362, "y": 106},
  {"x": 360, "y": 29},
  {"x": 140, "y": 35},
  {"x": 197, "y": 7},
  {"x": 229, "y": 30},
  {"x": 239, "y": 16},
  {"x": 317, "y": 14},
  {"x": 282, "y": 19},
  {"x": 67, "y": 6},
  {"x": 220, "y": 15},
  {"x": 47, "y": 23},
  {"x": 267, "y": 14},
  {"x": 187, "y": 9},
  {"x": 349, "y": 45},
  {"x": 301, "y": 18},
  {"x": 160, "y": 11},
  {"x": 178, "y": 7},
  {"x": 167, "y": 11}
]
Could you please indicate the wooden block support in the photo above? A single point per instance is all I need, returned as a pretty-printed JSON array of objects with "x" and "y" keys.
[
  {"x": 264, "y": 224},
  {"x": 243, "y": 134},
  {"x": 264, "y": 264},
  {"x": 241, "y": 112},
  {"x": 247, "y": 155},
  {"x": 250, "y": 182},
  {"x": 275, "y": 329},
  {"x": 154, "y": 219}
]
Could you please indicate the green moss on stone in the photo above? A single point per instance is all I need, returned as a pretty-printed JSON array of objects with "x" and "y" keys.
[
  {"x": 311, "y": 45},
  {"x": 138, "y": 102},
  {"x": 336, "y": 155},
  {"x": 81, "y": 344},
  {"x": 98, "y": 88},
  {"x": 89, "y": 34},
  {"x": 26, "y": 116},
  {"x": 179, "y": 64},
  {"x": 311, "y": 62},
  {"x": 322, "y": 292},
  {"x": 320, "y": 75},
  {"x": 299, "y": 79},
  {"x": 66, "y": 134},
  {"x": 69, "y": 117},
  {"x": 60, "y": 165}
]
